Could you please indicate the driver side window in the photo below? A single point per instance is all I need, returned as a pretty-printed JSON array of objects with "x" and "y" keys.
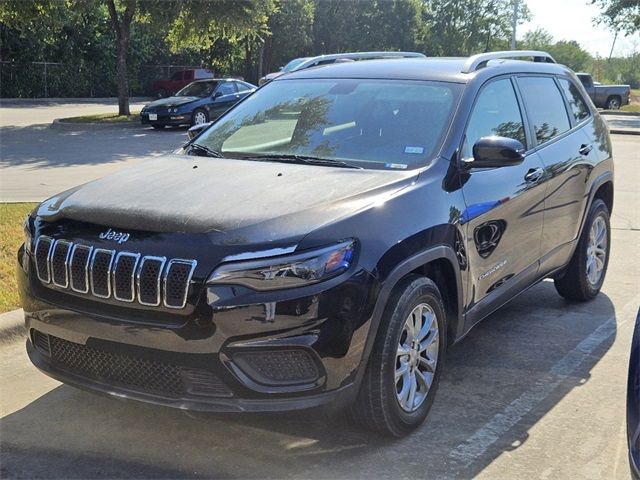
[{"x": 496, "y": 112}]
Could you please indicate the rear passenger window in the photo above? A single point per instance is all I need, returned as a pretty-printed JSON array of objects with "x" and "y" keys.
[
  {"x": 545, "y": 107},
  {"x": 496, "y": 112},
  {"x": 576, "y": 102}
]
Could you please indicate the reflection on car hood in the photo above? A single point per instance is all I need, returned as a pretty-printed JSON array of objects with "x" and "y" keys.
[
  {"x": 242, "y": 200},
  {"x": 171, "y": 102}
]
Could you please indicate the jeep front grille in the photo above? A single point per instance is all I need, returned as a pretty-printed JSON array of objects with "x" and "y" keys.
[{"x": 123, "y": 276}]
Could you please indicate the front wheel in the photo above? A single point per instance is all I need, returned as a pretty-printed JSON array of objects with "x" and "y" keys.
[
  {"x": 406, "y": 362},
  {"x": 585, "y": 274},
  {"x": 199, "y": 117}
]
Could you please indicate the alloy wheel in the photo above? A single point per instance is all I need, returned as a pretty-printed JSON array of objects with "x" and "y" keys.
[
  {"x": 199, "y": 118},
  {"x": 417, "y": 357},
  {"x": 597, "y": 250}
]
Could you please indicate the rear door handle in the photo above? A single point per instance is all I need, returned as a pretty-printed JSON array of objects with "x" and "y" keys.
[
  {"x": 585, "y": 149},
  {"x": 534, "y": 175}
]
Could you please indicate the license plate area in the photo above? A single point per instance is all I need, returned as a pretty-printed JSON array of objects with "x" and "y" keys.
[{"x": 153, "y": 117}]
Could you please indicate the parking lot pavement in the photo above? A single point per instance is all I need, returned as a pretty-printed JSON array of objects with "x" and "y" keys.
[
  {"x": 37, "y": 161},
  {"x": 535, "y": 391},
  {"x": 25, "y": 112}
]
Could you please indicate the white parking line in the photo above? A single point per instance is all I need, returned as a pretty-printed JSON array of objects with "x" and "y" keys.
[{"x": 467, "y": 452}]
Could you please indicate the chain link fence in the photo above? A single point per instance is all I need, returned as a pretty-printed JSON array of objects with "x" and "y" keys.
[{"x": 55, "y": 79}]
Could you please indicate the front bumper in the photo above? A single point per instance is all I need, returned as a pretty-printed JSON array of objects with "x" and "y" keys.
[
  {"x": 294, "y": 353},
  {"x": 174, "y": 119}
]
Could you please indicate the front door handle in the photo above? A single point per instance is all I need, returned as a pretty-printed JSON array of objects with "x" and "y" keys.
[
  {"x": 585, "y": 149},
  {"x": 534, "y": 174}
]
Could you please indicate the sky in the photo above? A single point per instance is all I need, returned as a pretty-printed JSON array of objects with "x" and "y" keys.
[{"x": 573, "y": 20}]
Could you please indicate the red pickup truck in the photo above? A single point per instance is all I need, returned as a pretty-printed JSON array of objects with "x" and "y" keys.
[{"x": 179, "y": 80}]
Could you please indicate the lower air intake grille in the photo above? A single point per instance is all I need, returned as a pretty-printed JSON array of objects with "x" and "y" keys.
[
  {"x": 128, "y": 371},
  {"x": 278, "y": 367}
]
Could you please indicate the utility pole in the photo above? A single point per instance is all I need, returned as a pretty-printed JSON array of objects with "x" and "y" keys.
[{"x": 514, "y": 23}]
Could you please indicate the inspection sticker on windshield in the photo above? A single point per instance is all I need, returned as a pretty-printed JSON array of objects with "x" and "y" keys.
[
  {"x": 418, "y": 150},
  {"x": 400, "y": 166}
]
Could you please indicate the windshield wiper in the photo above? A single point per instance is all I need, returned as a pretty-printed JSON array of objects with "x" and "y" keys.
[
  {"x": 203, "y": 151},
  {"x": 303, "y": 159}
]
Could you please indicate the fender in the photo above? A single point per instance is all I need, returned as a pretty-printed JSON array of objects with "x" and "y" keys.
[
  {"x": 597, "y": 183},
  {"x": 400, "y": 271}
]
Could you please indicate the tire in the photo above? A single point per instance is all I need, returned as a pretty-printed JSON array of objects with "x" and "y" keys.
[
  {"x": 199, "y": 116},
  {"x": 378, "y": 405},
  {"x": 613, "y": 103},
  {"x": 587, "y": 269},
  {"x": 158, "y": 127}
]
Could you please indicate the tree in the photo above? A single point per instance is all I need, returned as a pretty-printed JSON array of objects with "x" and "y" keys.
[
  {"x": 471, "y": 26},
  {"x": 619, "y": 15},
  {"x": 566, "y": 52},
  {"x": 183, "y": 23},
  {"x": 121, "y": 25}
]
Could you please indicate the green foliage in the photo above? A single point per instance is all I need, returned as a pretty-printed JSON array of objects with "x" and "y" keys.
[
  {"x": 619, "y": 15},
  {"x": 252, "y": 37},
  {"x": 568, "y": 53}
]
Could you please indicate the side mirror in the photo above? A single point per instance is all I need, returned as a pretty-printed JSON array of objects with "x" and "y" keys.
[
  {"x": 196, "y": 130},
  {"x": 494, "y": 151}
]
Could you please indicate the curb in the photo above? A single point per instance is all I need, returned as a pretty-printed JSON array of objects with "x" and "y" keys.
[
  {"x": 624, "y": 132},
  {"x": 12, "y": 326},
  {"x": 618, "y": 112},
  {"x": 58, "y": 124}
]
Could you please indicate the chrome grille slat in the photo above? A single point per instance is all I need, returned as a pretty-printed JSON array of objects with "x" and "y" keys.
[
  {"x": 148, "y": 280},
  {"x": 100, "y": 272},
  {"x": 178, "y": 272},
  {"x": 59, "y": 259},
  {"x": 44, "y": 245},
  {"x": 79, "y": 268},
  {"x": 108, "y": 274},
  {"x": 124, "y": 283}
]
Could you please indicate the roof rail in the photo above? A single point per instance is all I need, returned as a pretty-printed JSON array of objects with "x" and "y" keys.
[
  {"x": 479, "y": 61},
  {"x": 356, "y": 56}
]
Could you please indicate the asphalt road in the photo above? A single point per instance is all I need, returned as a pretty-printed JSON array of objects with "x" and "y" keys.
[
  {"x": 38, "y": 161},
  {"x": 535, "y": 391}
]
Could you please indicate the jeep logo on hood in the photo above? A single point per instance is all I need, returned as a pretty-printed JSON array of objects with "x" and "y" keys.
[{"x": 119, "y": 237}]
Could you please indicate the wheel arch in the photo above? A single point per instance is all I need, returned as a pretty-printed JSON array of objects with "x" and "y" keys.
[{"x": 440, "y": 264}]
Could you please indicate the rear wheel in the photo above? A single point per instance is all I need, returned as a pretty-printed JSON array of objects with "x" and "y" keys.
[
  {"x": 613, "y": 103},
  {"x": 404, "y": 368},
  {"x": 585, "y": 274}
]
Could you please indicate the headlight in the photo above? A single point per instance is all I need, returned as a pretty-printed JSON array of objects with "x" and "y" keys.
[
  {"x": 287, "y": 272},
  {"x": 28, "y": 238}
]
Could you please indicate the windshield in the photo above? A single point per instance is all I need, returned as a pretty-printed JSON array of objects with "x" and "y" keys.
[
  {"x": 293, "y": 64},
  {"x": 381, "y": 124},
  {"x": 197, "y": 89}
]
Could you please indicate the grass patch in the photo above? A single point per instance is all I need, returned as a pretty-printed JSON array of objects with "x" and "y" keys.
[
  {"x": 632, "y": 107},
  {"x": 11, "y": 237},
  {"x": 103, "y": 118}
]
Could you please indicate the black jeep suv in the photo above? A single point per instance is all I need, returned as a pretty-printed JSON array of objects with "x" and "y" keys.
[{"x": 326, "y": 239}]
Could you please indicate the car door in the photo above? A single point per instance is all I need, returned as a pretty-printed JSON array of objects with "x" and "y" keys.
[
  {"x": 504, "y": 205},
  {"x": 223, "y": 99},
  {"x": 557, "y": 128}
]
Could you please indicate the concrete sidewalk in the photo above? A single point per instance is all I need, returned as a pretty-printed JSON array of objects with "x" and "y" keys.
[{"x": 623, "y": 123}]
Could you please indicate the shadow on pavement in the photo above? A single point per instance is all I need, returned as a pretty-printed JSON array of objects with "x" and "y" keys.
[
  {"x": 43, "y": 147},
  {"x": 69, "y": 433}
]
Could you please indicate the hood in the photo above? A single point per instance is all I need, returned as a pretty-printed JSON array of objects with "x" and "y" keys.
[
  {"x": 171, "y": 102},
  {"x": 238, "y": 201}
]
